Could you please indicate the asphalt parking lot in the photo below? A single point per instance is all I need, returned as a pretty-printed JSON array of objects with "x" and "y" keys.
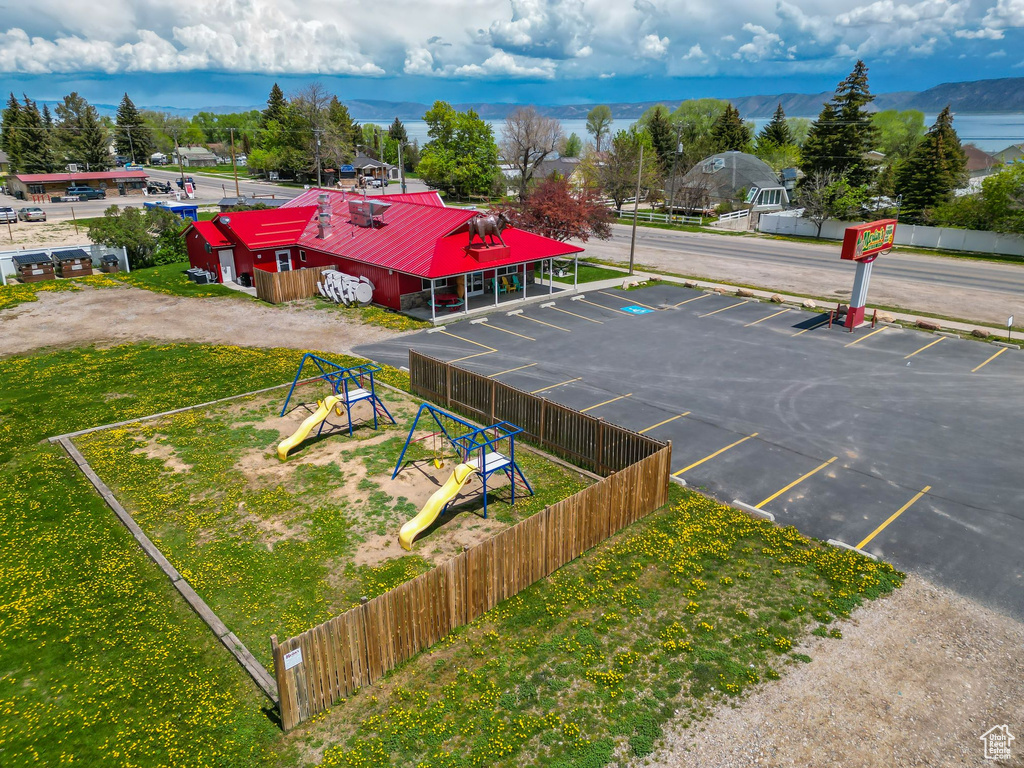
[{"x": 904, "y": 443}]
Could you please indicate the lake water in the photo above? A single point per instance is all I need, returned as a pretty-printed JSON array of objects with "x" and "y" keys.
[{"x": 990, "y": 133}]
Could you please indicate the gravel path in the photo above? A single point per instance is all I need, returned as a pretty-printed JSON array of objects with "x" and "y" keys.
[
  {"x": 916, "y": 680},
  {"x": 118, "y": 315}
]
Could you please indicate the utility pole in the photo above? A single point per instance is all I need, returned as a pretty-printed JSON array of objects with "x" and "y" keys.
[
  {"x": 234, "y": 165},
  {"x": 636, "y": 202},
  {"x": 316, "y": 136},
  {"x": 401, "y": 166},
  {"x": 672, "y": 176},
  {"x": 181, "y": 167}
]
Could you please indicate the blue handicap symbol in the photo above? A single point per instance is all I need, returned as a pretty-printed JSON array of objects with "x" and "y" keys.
[{"x": 637, "y": 310}]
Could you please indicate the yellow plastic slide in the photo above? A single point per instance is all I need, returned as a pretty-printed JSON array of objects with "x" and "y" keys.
[
  {"x": 435, "y": 504},
  {"x": 323, "y": 410}
]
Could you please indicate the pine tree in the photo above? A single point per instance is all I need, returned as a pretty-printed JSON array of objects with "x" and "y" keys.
[
  {"x": 934, "y": 169},
  {"x": 277, "y": 105},
  {"x": 730, "y": 132},
  {"x": 51, "y": 155},
  {"x": 843, "y": 133},
  {"x": 133, "y": 138},
  {"x": 397, "y": 132},
  {"x": 777, "y": 130},
  {"x": 33, "y": 144},
  {"x": 663, "y": 135},
  {"x": 10, "y": 135}
]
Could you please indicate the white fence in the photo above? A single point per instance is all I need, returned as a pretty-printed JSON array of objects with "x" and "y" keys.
[
  {"x": 97, "y": 252},
  {"x": 662, "y": 218},
  {"x": 906, "y": 234}
]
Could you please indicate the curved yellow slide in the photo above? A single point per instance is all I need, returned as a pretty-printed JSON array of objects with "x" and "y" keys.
[
  {"x": 323, "y": 410},
  {"x": 435, "y": 504}
]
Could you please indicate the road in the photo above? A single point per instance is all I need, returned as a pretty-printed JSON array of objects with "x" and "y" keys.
[{"x": 963, "y": 288}]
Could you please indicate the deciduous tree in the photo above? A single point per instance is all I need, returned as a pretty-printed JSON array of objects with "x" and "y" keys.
[
  {"x": 599, "y": 123},
  {"x": 461, "y": 157},
  {"x": 527, "y": 138},
  {"x": 136, "y": 230},
  {"x": 554, "y": 210},
  {"x": 826, "y": 195}
]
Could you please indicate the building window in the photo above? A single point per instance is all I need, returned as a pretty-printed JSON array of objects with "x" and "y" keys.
[
  {"x": 302, "y": 255},
  {"x": 441, "y": 282},
  {"x": 36, "y": 189}
]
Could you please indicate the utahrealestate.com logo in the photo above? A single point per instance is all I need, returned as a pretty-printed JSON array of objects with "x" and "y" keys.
[{"x": 997, "y": 742}]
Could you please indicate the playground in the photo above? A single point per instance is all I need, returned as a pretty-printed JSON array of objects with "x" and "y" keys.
[{"x": 275, "y": 545}]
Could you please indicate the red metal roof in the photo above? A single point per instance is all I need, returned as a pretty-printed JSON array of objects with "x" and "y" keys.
[
  {"x": 210, "y": 233},
  {"x": 417, "y": 239},
  {"x": 268, "y": 228},
  {"x": 423, "y": 198},
  {"x": 83, "y": 176}
]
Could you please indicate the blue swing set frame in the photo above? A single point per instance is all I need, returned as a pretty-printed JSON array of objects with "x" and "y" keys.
[
  {"x": 475, "y": 439},
  {"x": 348, "y": 383}
]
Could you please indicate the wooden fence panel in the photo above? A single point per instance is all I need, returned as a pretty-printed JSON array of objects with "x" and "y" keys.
[
  {"x": 279, "y": 287},
  {"x": 356, "y": 648}
]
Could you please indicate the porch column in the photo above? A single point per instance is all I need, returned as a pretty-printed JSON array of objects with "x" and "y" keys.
[
  {"x": 494, "y": 285},
  {"x": 433, "y": 307},
  {"x": 524, "y": 282},
  {"x": 551, "y": 275},
  {"x": 465, "y": 293},
  {"x": 575, "y": 272}
]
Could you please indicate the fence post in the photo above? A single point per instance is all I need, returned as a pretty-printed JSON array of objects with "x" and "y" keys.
[
  {"x": 448, "y": 385},
  {"x": 600, "y": 447},
  {"x": 543, "y": 413},
  {"x": 494, "y": 395}
]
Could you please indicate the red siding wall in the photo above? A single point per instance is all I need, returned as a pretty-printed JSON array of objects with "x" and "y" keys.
[{"x": 388, "y": 288}]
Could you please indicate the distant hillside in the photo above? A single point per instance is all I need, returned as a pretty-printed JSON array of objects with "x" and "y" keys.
[{"x": 979, "y": 96}]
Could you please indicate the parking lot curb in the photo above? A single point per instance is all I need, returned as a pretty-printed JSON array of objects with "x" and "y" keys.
[
  {"x": 753, "y": 511},
  {"x": 843, "y": 545}
]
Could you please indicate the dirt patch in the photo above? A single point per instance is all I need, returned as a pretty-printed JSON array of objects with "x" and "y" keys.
[
  {"x": 107, "y": 316},
  {"x": 29, "y": 235},
  {"x": 916, "y": 680},
  {"x": 155, "y": 449}
]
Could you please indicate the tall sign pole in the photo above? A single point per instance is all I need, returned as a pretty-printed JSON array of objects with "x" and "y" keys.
[
  {"x": 636, "y": 202},
  {"x": 863, "y": 244}
]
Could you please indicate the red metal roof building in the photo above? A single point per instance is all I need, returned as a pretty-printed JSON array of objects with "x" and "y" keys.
[
  {"x": 37, "y": 186},
  {"x": 411, "y": 247}
]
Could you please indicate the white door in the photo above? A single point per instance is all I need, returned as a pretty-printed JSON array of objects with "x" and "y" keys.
[
  {"x": 227, "y": 266},
  {"x": 475, "y": 284},
  {"x": 284, "y": 261}
]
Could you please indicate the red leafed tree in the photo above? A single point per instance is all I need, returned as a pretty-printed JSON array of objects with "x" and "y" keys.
[{"x": 554, "y": 210}]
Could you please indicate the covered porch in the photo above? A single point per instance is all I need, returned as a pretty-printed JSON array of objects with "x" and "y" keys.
[{"x": 449, "y": 298}]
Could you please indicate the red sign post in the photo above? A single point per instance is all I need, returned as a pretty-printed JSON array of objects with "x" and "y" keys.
[{"x": 862, "y": 244}]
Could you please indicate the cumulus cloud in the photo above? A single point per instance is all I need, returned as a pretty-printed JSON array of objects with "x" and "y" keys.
[
  {"x": 763, "y": 45},
  {"x": 695, "y": 52},
  {"x": 502, "y": 63},
  {"x": 654, "y": 47},
  {"x": 556, "y": 29}
]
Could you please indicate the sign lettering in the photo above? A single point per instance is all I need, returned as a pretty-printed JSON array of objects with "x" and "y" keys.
[
  {"x": 865, "y": 241},
  {"x": 293, "y": 658}
]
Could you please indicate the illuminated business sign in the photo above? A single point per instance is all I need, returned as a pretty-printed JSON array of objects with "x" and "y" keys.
[{"x": 866, "y": 241}]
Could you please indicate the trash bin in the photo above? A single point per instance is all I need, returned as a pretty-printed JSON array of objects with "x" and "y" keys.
[
  {"x": 110, "y": 264},
  {"x": 245, "y": 280}
]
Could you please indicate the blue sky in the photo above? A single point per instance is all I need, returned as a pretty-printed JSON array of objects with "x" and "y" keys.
[{"x": 197, "y": 53}]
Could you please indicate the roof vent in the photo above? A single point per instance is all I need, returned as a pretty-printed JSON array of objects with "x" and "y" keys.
[
  {"x": 323, "y": 215},
  {"x": 367, "y": 213}
]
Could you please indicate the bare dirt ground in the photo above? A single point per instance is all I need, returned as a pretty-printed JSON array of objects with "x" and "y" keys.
[
  {"x": 41, "y": 234},
  {"x": 916, "y": 680},
  {"x": 118, "y": 315}
]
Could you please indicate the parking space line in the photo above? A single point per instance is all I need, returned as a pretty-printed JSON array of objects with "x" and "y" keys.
[
  {"x": 549, "y": 325},
  {"x": 922, "y": 349},
  {"x": 506, "y": 330},
  {"x": 602, "y": 306},
  {"x": 623, "y": 298},
  {"x": 469, "y": 341},
  {"x": 476, "y": 354},
  {"x": 606, "y": 402},
  {"x": 782, "y": 312},
  {"x": 997, "y": 354},
  {"x": 510, "y": 370},
  {"x": 662, "y": 423},
  {"x": 709, "y": 314},
  {"x": 805, "y": 330},
  {"x": 899, "y": 512},
  {"x": 553, "y": 386},
  {"x": 581, "y": 317},
  {"x": 716, "y": 453},
  {"x": 695, "y": 298},
  {"x": 796, "y": 482},
  {"x": 865, "y": 338}
]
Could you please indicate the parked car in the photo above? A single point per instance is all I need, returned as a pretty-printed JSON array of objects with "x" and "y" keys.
[
  {"x": 86, "y": 193},
  {"x": 188, "y": 180},
  {"x": 158, "y": 187},
  {"x": 375, "y": 183},
  {"x": 32, "y": 214},
  {"x": 8, "y": 216}
]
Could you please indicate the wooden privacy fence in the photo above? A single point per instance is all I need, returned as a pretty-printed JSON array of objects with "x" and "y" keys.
[
  {"x": 330, "y": 661},
  {"x": 279, "y": 287},
  {"x": 585, "y": 440}
]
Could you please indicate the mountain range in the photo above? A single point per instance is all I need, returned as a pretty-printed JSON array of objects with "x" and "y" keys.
[{"x": 1005, "y": 95}]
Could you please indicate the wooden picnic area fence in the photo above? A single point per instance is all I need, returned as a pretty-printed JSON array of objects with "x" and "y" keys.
[
  {"x": 279, "y": 287},
  {"x": 330, "y": 661},
  {"x": 585, "y": 440}
]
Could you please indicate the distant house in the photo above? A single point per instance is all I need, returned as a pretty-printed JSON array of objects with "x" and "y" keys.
[
  {"x": 196, "y": 157},
  {"x": 368, "y": 168},
  {"x": 1011, "y": 154},
  {"x": 729, "y": 177},
  {"x": 33, "y": 186},
  {"x": 567, "y": 168},
  {"x": 5, "y": 163},
  {"x": 979, "y": 162}
]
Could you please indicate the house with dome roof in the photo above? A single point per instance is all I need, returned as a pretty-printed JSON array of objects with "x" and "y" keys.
[{"x": 731, "y": 178}]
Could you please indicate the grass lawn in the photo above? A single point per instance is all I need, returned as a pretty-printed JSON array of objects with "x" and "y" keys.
[
  {"x": 276, "y": 548},
  {"x": 372, "y": 315},
  {"x": 101, "y": 661},
  {"x": 588, "y": 273}
]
